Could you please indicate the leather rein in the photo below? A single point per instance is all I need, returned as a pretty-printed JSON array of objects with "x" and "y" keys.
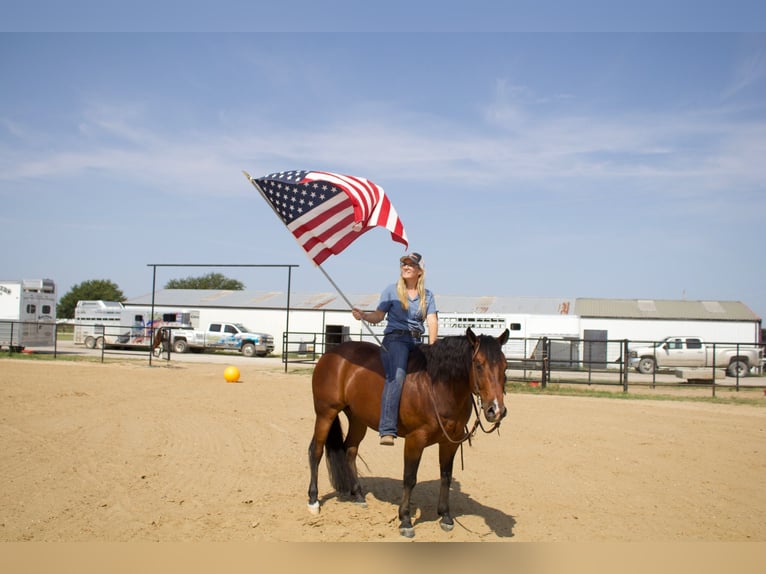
[{"x": 474, "y": 398}]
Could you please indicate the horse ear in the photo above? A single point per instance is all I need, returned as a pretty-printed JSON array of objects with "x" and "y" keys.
[
  {"x": 503, "y": 339},
  {"x": 471, "y": 336}
]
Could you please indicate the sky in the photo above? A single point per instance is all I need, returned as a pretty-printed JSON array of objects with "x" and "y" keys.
[{"x": 616, "y": 150}]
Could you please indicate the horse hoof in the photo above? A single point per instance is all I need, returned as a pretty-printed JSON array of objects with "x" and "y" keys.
[
  {"x": 361, "y": 503},
  {"x": 314, "y": 507},
  {"x": 407, "y": 532},
  {"x": 447, "y": 526}
]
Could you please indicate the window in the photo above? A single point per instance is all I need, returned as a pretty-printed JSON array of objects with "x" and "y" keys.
[
  {"x": 230, "y": 329},
  {"x": 46, "y": 309},
  {"x": 693, "y": 344},
  {"x": 215, "y": 327},
  {"x": 31, "y": 308},
  {"x": 515, "y": 326}
]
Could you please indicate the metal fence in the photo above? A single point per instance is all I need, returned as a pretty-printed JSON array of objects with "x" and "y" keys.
[
  {"x": 536, "y": 361},
  {"x": 542, "y": 361},
  {"x": 15, "y": 336}
]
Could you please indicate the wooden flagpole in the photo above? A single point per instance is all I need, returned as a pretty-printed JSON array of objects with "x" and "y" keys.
[{"x": 343, "y": 296}]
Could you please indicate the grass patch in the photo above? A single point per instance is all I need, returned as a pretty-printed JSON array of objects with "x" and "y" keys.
[
  {"x": 731, "y": 397},
  {"x": 50, "y": 357}
]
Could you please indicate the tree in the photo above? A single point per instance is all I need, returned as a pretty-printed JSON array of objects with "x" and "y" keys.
[
  {"x": 209, "y": 281},
  {"x": 91, "y": 290}
]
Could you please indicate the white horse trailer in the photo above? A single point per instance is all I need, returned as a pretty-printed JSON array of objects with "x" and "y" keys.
[
  {"x": 27, "y": 313},
  {"x": 525, "y": 331},
  {"x": 110, "y": 322}
]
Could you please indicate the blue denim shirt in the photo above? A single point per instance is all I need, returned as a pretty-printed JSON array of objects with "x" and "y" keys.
[{"x": 398, "y": 318}]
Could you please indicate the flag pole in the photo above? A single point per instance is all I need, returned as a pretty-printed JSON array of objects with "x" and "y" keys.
[{"x": 350, "y": 306}]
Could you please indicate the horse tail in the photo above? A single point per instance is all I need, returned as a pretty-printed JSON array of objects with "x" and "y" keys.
[{"x": 341, "y": 476}]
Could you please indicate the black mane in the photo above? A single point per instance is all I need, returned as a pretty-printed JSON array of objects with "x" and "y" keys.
[{"x": 449, "y": 359}]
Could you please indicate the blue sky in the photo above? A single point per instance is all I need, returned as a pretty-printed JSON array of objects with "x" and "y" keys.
[{"x": 569, "y": 161}]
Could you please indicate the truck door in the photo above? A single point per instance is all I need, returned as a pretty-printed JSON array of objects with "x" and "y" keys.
[
  {"x": 214, "y": 337},
  {"x": 681, "y": 355},
  {"x": 231, "y": 337},
  {"x": 694, "y": 353},
  {"x": 673, "y": 350}
]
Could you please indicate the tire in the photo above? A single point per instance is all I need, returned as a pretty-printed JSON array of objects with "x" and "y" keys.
[
  {"x": 646, "y": 365},
  {"x": 248, "y": 350},
  {"x": 737, "y": 368},
  {"x": 100, "y": 343},
  {"x": 180, "y": 346},
  {"x": 90, "y": 342}
]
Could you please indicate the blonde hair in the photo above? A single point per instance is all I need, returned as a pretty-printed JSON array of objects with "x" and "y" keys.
[{"x": 401, "y": 291}]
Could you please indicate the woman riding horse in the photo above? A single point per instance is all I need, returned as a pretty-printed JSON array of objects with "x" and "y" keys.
[{"x": 436, "y": 404}]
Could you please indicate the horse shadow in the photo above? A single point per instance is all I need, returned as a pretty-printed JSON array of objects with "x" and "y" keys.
[{"x": 424, "y": 499}]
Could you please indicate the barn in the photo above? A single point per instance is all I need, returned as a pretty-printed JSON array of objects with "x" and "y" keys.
[{"x": 575, "y": 324}]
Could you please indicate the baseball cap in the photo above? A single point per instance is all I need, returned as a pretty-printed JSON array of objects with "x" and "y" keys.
[{"x": 415, "y": 258}]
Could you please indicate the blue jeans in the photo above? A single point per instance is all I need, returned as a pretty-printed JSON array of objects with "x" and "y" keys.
[{"x": 394, "y": 353}]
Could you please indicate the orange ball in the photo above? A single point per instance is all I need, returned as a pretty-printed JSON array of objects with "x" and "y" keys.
[{"x": 231, "y": 374}]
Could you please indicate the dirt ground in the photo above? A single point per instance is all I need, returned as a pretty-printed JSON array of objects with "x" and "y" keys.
[{"x": 130, "y": 453}]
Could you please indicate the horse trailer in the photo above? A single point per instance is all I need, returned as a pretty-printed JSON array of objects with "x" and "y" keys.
[
  {"x": 27, "y": 313},
  {"x": 109, "y": 322}
]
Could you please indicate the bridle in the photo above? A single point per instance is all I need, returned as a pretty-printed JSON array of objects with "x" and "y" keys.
[{"x": 475, "y": 397}]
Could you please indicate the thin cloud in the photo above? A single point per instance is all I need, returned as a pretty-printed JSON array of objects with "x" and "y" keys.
[{"x": 706, "y": 149}]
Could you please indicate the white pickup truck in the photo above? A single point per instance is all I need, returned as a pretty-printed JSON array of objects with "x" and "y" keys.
[
  {"x": 222, "y": 336},
  {"x": 680, "y": 351}
]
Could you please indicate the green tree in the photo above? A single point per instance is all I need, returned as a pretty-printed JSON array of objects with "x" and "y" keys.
[
  {"x": 91, "y": 290},
  {"x": 209, "y": 281}
]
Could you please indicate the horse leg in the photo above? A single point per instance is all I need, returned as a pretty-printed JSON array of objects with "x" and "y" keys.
[
  {"x": 446, "y": 461},
  {"x": 356, "y": 432},
  {"x": 316, "y": 448},
  {"x": 412, "y": 455}
]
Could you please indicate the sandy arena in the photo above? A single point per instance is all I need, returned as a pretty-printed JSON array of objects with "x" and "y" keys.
[{"x": 124, "y": 452}]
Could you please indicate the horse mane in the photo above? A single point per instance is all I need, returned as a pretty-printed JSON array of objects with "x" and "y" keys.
[{"x": 449, "y": 359}]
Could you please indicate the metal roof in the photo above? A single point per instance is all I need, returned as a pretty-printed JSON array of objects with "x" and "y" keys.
[
  {"x": 194, "y": 298},
  {"x": 582, "y": 307},
  {"x": 664, "y": 309}
]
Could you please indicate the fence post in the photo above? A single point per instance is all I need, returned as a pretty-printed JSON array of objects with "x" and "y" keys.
[
  {"x": 624, "y": 366},
  {"x": 546, "y": 365},
  {"x": 103, "y": 341}
]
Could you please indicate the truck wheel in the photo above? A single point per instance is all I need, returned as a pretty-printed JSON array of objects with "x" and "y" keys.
[
  {"x": 100, "y": 343},
  {"x": 737, "y": 369},
  {"x": 90, "y": 342},
  {"x": 248, "y": 350},
  {"x": 646, "y": 366},
  {"x": 180, "y": 346}
]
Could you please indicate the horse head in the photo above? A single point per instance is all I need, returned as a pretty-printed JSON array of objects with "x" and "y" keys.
[{"x": 488, "y": 364}]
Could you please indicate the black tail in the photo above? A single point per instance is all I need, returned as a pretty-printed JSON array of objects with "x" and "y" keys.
[{"x": 341, "y": 477}]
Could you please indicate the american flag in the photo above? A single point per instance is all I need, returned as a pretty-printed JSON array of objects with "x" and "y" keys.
[{"x": 326, "y": 212}]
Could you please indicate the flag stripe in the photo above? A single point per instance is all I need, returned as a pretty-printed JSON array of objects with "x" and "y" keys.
[{"x": 326, "y": 212}]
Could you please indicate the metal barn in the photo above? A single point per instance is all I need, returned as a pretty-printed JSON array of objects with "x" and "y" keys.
[{"x": 576, "y": 325}]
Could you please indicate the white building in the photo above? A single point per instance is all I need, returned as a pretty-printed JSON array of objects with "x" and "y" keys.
[{"x": 598, "y": 324}]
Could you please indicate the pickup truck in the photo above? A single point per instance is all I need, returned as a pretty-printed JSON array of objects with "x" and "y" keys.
[
  {"x": 681, "y": 351},
  {"x": 222, "y": 336}
]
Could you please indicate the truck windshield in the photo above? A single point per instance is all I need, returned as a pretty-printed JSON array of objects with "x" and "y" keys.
[{"x": 241, "y": 327}]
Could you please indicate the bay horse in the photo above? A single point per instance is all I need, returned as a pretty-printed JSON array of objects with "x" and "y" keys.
[
  {"x": 160, "y": 341},
  {"x": 436, "y": 404}
]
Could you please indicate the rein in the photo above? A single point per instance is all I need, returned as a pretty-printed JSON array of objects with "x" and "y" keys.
[{"x": 477, "y": 423}]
